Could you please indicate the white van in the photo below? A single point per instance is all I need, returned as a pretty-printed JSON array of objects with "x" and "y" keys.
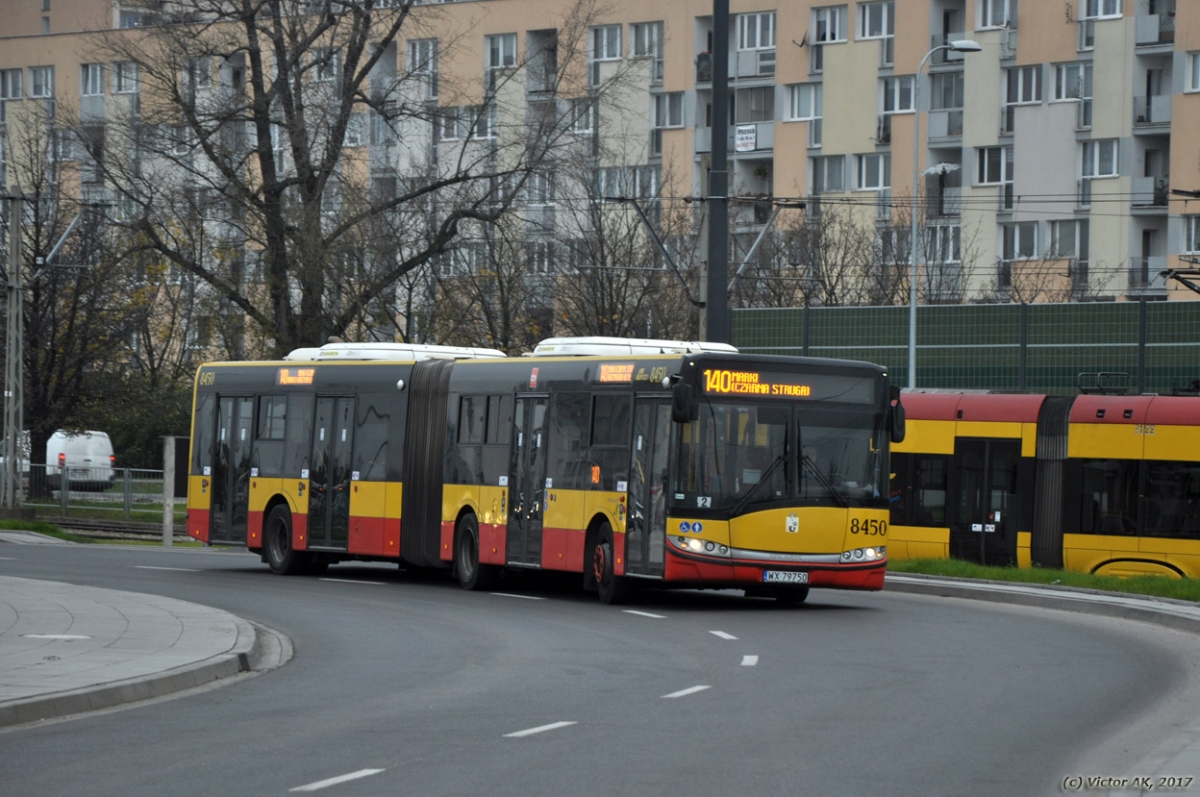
[{"x": 87, "y": 457}]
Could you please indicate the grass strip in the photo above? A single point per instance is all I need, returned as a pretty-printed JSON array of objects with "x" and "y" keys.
[{"x": 50, "y": 530}]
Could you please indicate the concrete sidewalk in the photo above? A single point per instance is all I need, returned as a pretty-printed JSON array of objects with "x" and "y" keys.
[{"x": 66, "y": 649}]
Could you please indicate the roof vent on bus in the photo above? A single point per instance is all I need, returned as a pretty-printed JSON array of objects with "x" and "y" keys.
[
  {"x": 598, "y": 346},
  {"x": 390, "y": 351}
]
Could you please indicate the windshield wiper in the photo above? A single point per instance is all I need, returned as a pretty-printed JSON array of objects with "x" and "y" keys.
[
  {"x": 828, "y": 485},
  {"x": 745, "y": 499}
]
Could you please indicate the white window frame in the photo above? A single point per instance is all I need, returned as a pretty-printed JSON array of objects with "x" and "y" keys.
[
  {"x": 804, "y": 102},
  {"x": 994, "y": 14},
  {"x": 873, "y": 171},
  {"x": 983, "y": 162},
  {"x": 666, "y": 110},
  {"x": 1191, "y": 235},
  {"x": 423, "y": 62},
  {"x": 1077, "y": 72},
  {"x": 1193, "y": 83},
  {"x": 1019, "y": 241},
  {"x": 91, "y": 80},
  {"x": 606, "y": 43},
  {"x": 1072, "y": 231},
  {"x": 486, "y": 120},
  {"x": 540, "y": 256},
  {"x": 356, "y": 131},
  {"x": 450, "y": 124},
  {"x": 892, "y": 91},
  {"x": 834, "y": 18},
  {"x": 646, "y": 40},
  {"x": 886, "y": 20},
  {"x": 943, "y": 239},
  {"x": 820, "y": 170},
  {"x": 1094, "y": 156},
  {"x": 500, "y": 51},
  {"x": 583, "y": 116},
  {"x": 1028, "y": 82},
  {"x": 754, "y": 105},
  {"x": 539, "y": 188},
  {"x": 1100, "y": 9},
  {"x": 756, "y": 31},
  {"x": 11, "y": 84},
  {"x": 41, "y": 82},
  {"x": 125, "y": 77}
]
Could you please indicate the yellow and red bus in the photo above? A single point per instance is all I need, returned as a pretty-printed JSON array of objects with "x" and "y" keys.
[
  {"x": 1098, "y": 483},
  {"x": 689, "y": 467}
]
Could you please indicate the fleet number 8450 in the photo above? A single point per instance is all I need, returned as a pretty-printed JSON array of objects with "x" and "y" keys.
[{"x": 870, "y": 528}]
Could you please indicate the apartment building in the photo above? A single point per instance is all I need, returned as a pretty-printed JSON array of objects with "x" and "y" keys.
[{"x": 1059, "y": 153}]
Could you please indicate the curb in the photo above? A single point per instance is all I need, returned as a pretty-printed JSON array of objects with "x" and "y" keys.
[{"x": 241, "y": 658}]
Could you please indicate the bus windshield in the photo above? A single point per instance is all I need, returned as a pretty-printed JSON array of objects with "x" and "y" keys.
[{"x": 737, "y": 455}]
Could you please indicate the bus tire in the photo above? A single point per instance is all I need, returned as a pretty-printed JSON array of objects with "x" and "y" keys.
[
  {"x": 471, "y": 574},
  {"x": 611, "y": 588},
  {"x": 277, "y": 544}
]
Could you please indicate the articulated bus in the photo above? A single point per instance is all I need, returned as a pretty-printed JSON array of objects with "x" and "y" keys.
[
  {"x": 1099, "y": 483},
  {"x": 631, "y": 463}
]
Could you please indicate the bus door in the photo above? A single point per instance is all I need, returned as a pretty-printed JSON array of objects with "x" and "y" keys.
[
  {"x": 983, "y": 527},
  {"x": 231, "y": 470},
  {"x": 329, "y": 473},
  {"x": 527, "y": 481},
  {"x": 645, "y": 529}
]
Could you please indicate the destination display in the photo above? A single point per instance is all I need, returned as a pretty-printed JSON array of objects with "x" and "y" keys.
[
  {"x": 778, "y": 385},
  {"x": 296, "y": 376}
]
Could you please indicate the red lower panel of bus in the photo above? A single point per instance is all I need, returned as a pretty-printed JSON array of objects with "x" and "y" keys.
[
  {"x": 562, "y": 549},
  {"x": 198, "y": 524},
  {"x": 742, "y": 573},
  {"x": 366, "y": 536},
  {"x": 299, "y": 532},
  {"x": 254, "y": 530},
  {"x": 492, "y": 540}
]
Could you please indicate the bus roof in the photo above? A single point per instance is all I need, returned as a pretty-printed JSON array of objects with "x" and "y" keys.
[
  {"x": 390, "y": 351},
  {"x": 608, "y": 347}
]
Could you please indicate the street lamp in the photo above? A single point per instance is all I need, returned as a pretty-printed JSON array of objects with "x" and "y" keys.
[{"x": 960, "y": 46}]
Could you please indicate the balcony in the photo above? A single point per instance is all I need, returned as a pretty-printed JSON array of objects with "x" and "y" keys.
[
  {"x": 883, "y": 129},
  {"x": 753, "y": 64},
  {"x": 946, "y": 57},
  {"x": 1154, "y": 29},
  {"x": 944, "y": 201},
  {"x": 1149, "y": 193},
  {"x": 1145, "y": 276},
  {"x": 748, "y": 137},
  {"x": 704, "y": 68},
  {"x": 945, "y": 124},
  {"x": 1152, "y": 111},
  {"x": 1077, "y": 270}
]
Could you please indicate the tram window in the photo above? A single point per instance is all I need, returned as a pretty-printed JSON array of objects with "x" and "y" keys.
[
  {"x": 610, "y": 420},
  {"x": 471, "y": 414},
  {"x": 1172, "y": 500},
  {"x": 371, "y": 437},
  {"x": 298, "y": 438},
  {"x": 1109, "y": 497},
  {"x": 272, "y": 415},
  {"x": 929, "y": 490},
  {"x": 568, "y": 437}
]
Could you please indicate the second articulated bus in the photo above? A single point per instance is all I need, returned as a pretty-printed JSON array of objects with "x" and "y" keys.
[{"x": 689, "y": 467}]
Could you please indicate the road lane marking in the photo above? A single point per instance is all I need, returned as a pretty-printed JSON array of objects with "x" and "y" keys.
[
  {"x": 749, "y": 661},
  {"x": 324, "y": 784},
  {"x": 540, "y": 729},
  {"x": 722, "y": 635},
  {"x": 177, "y": 569},
  {"x": 351, "y": 581},
  {"x": 55, "y": 636},
  {"x": 645, "y": 614},
  {"x": 689, "y": 691},
  {"x": 511, "y": 595}
]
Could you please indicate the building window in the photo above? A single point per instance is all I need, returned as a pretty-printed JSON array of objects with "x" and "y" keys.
[
  {"x": 648, "y": 43},
  {"x": 606, "y": 43},
  {"x": 539, "y": 188},
  {"x": 668, "y": 110},
  {"x": 804, "y": 105},
  {"x": 325, "y": 64},
  {"x": 1193, "y": 72},
  {"x": 502, "y": 51},
  {"x": 1100, "y": 9},
  {"x": 876, "y": 20},
  {"x": 1024, "y": 85},
  {"x": 1191, "y": 243},
  {"x": 41, "y": 81},
  {"x": 829, "y": 24},
  {"x": 897, "y": 94},
  {"x": 1073, "y": 83},
  {"x": 583, "y": 115},
  {"x": 944, "y": 243},
  {"x": 125, "y": 77},
  {"x": 355, "y": 131},
  {"x": 1069, "y": 239},
  {"x": 91, "y": 79},
  {"x": 756, "y": 31},
  {"x": 874, "y": 171},
  {"x": 133, "y": 19},
  {"x": 10, "y": 84},
  {"x": 995, "y": 166},
  {"x": 1100, "y": 158},
  {"x": 997, "y": 13},
  {"x": 422, "y": 64},
  {"x": 754, "y": 105},
  {"x": 827, "y": 174},
  {"x": 1020, "y": 241},
  {"x": 540, "y": 256},
  {"x": 486, "y": 120}
]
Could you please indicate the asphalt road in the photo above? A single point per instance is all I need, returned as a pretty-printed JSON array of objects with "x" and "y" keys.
[{"x": 414, "y": 686}]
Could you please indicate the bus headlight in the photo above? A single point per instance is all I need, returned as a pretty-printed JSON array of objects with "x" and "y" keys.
[
  {"x": 695, "y": 545},
  {"x": 872, "y": 554}
]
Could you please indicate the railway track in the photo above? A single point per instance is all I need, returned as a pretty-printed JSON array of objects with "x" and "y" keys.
[{"x": 113, "y": 529}]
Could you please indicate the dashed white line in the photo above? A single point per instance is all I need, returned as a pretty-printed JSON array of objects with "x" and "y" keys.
[
  {"x": 689, "y": 691},
  {"x": 511, "y": 595},
  {"x": 722, "y": 635},
  {"x": 540, "y": 729},
  {"x": 324, "y": 784},
  {"x": 351, "y": 581},
  {"x": 176, "y": 569},
  {"x": 645, "y": 614},
  {"x": 749, "y": 661}
]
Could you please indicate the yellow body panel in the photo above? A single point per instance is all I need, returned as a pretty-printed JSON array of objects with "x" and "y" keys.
[
  {"x": 1024, "y": 543},
  {"x": 564, "y": 509},
  {"x": 1104, "y": 441},
  {"x": 296, "y": 491},
  {"x": 1029, "y": 439},
  {"x": 199, "y": 495},
  {"x": 493, "y": 504},
  {"x": 456, "y": 496},
  {"x": 918, "y": 542},
  {"x": 1131, "y": 569},
  {"x": 1002, "y": 429},
  {"x": 927, "y": 437},
  {"x": 263, "y": 490},
  {"x": 608, "y": 503},
  {"x": 816, "y": 530},
  {"x": 368, "y": 499},
  {"x": 1183, "y": 554},
  {"x": 1171, "y": 442},
  {"x": 1086, "y": 552}
]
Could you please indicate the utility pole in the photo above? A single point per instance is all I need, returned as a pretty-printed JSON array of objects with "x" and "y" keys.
[
  {"x": 14, "y": 374},
  {"x": 716, "y": 326}
]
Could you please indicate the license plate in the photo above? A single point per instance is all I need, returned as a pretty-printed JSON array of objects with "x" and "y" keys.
[{"x": 784, "y": 577}]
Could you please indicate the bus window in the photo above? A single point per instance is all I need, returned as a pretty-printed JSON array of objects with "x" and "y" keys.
[
  {"x": 298, "y": 434},
  {"x": 609, "y": 452},
  {"x": 371, "y": 437},
  {"x": 269, "y": 438},
  {"x": 568, "y": 437},
  {"x": 204, "y": 434}
]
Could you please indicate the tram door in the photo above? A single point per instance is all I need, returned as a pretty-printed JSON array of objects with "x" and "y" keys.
[
  {"x": 230, "y": 505},
  {"x": 329, "y": 473},
  {"x": 983, "y": 525},
  {"x": 646, "y": 526},
  {"x": 527, "y": 481}
]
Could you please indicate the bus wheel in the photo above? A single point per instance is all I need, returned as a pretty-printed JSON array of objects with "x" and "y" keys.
[
  {"x": 278, "y": 544},
  {"x": 611, "y": 588},
  {"x": 471, "y": 574}
]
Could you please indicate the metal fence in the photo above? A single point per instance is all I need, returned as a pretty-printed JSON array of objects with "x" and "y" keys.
[
  {"x": 99, "y": 493},
  {"x": 1041, "y": 348}
]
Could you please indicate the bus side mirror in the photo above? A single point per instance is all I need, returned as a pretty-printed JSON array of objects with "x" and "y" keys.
[
  {"x": 896, "y": 422},
  {"x": 683, "y": 408}
]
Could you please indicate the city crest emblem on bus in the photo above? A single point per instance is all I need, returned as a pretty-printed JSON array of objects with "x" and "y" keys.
[{"x": 793, "y": 524}]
